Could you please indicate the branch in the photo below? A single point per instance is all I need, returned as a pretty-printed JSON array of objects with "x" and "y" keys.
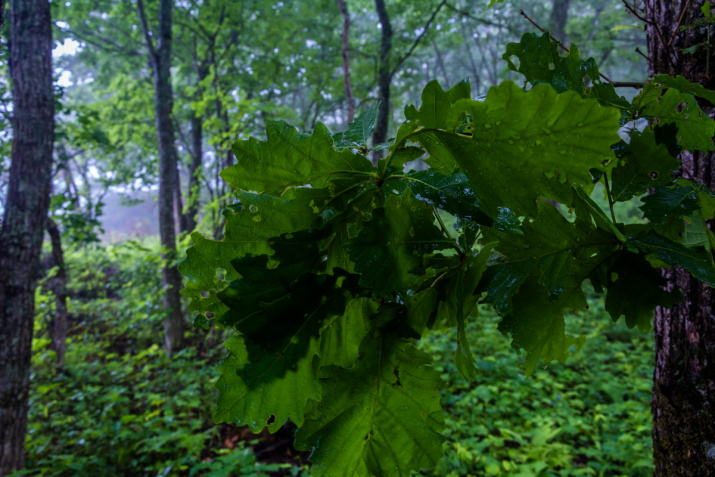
[
  {"x": 680, "y": 21},
  {"x": 417, "y": 40},
  {"x": 147, "y": 36},
  {"x": 465, "y": 13}
]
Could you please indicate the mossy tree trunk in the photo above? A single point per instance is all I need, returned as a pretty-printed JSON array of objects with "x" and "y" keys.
[{"x": 683, "y": 403}]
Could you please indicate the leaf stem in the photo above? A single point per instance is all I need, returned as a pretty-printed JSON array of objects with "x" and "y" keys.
[
  {"x": 609, "y": 197},
  {"x": 446, "y": 232}
]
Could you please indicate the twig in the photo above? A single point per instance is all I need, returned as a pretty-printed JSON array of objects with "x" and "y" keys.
[
  {"x": 609, "y": 196},
  {"x": 653, "y": 24},
  {"x": 680, "y": 21}
]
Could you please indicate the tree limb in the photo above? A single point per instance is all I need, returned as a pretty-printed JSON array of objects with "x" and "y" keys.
[{"x": 418, "y": 39}]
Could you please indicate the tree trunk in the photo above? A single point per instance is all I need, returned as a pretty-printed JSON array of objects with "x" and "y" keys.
[
  {"x": 683, "y": 404},
  {"x": 346, "y": 60},
  {"x": 384, "y": 77},
  {"x": 557, "y": 21},
  {"x": 28, "y": 199},
  {"x": 197, "y": 153},
  {"x": 2, "y": 14},
  {"x": 58, "y": 286},
  {"x": 160, "y": 56}
]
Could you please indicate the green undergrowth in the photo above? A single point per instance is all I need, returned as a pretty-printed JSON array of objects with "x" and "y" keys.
[
  {"x": 588, "y": 417},
  {"x": 121, "y": 407}
]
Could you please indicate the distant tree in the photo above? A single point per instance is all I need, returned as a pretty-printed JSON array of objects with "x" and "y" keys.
[
  {"x": 25, "y": 218},
  {"x": 158, "y": 43}
]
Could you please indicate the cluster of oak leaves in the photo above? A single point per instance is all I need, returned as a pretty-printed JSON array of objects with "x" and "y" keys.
[{"x": 331, "y": 268}]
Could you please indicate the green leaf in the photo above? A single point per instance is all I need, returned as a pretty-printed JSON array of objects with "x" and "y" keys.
[
  {"x": 586, "y": 209},
  {"x": 461, "y": 292},
  {"x": 249, "y": 226},
  {"x": 643, "y": 164},
  {"x": 288, "y": 159},
  {"x": 436, "y": 111},
  {"x": 559, "y": 253},
  {"x": 451, "y": 193},
  {"x": 252, "y": 391},
  {"x": 674, "y": 254},
  {"x": 635, "y": 289},
  {"x": 202, "y": 265},
  {"x": 695, "y": 128},
  {"x": 685, "y": 86},
  {"x": 540, "y": 145},
  {"x": 392, "y": 245},
  {"x": 668, "y": 203},
  {"x": 360, "y": 131},
  {"x": 282, "y": 348},
  {"x": 536, "y": 324},
  {"x": 697, "y": 233},
  {"x": 380, "y": 417},
  {"x": 537, "y": 58}
]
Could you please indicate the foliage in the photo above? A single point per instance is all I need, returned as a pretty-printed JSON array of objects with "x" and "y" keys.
[
  {"x": 331, "y": 269},
  {"x": 589, "y": 417},
  {"x": 120, "y": 405}
]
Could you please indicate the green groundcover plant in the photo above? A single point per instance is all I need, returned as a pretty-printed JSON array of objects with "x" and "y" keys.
[{"x": 331, "y": 269}]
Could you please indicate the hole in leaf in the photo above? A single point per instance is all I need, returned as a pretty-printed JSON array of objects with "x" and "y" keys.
[
  {"x": 680, "y": 108},
  {"x": 209, "y": 315},
  {"x": 271, "y": 420},
  {"x": 653, "y": 175},
  {"x": 204, "y": 294}
]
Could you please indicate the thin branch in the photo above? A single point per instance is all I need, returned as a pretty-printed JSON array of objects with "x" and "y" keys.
[
  {"x": 182, "y": 137},
  {"x": 103, "y": 43},
  {"x": 147, "y": 37},
  {"x": 655, "y": 26},
  {"x": 680, "y": 21},
  {"x": 466, "y": 14},
  {"x": 417, "y": 40}
]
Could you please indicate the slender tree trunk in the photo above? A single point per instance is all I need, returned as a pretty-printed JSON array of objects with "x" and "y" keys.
[
  {"x": 197, "y": 153},
  {"x": 160, "y": 56},
  {"x": 2, "y": 14},
  {"x": 683, "y": 403},
  {"x": 58, "y": 286},
  {"x": 557, "y": 21},
  {"x": 440, "y": 64},
  {"x": 28, "y": 199},
  {"x": 346, "y": 60},
  {"x": 384, "y": 76},
  {"x": 179, "y": 216}
]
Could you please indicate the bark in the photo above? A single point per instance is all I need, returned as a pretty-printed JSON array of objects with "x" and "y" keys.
[
  {"x": 683, "y": 404},
  {"x": 557, "y": 20},
  {"x": 384, "y": 77},
  {"x": 58, "y": 286},
  {"x": 28, "y": 199},
  {"x": 346, "y": 60},
  {"x": 160, "y": 58}
]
